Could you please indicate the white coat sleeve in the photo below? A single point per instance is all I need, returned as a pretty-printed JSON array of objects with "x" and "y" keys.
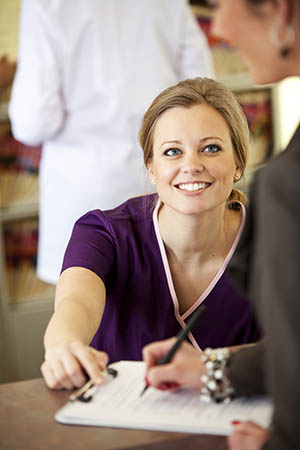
[
  {"x": 196, "y": 57},
  {"x": 36, "y": 109}
]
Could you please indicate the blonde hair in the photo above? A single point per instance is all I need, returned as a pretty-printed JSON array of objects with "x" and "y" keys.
[{"x": 200, "y": 91}]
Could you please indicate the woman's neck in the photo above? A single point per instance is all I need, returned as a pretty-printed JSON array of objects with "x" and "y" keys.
[{"x": 200, "y": 237}]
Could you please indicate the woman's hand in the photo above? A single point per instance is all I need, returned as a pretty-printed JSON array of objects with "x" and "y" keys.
[
  {"x": 185, "y": 369},
  {"x": 64, "y": 365},
  {"x": 248, "y": 436}
]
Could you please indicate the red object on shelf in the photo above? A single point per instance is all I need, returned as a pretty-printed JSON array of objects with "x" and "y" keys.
[{"x": 17, "y": 156}]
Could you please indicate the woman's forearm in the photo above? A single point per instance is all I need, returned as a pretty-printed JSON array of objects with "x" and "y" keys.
[
  {"x": 79, "y": 306},
  {"x": 70, "y": 322}
]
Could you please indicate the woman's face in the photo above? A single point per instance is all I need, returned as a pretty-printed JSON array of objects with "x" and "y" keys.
[
  {"x": 249, "y": 31},
  {"x": 193, "y": 164}
]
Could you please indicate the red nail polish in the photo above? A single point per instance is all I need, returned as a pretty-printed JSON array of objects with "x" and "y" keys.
[
  {"x": 171, "y": 385},
  {"x": 235, "y": 422},
  {"x": 162, "y": 387},
  {"x": 147, "y": 382}
]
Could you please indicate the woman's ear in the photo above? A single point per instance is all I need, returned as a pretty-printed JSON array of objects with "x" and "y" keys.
[
  {"x": 282, "y": 29},
  {"x": 286, "y": 11},
  {"x": 151, "y": 174},
  {"x": 280, "y": 10},
  {"x": 237, "y": 175},
  {"x": 152, "y": 178}
]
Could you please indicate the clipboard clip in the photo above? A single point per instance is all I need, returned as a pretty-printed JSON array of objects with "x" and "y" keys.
[{"x": 81, "y": 393}]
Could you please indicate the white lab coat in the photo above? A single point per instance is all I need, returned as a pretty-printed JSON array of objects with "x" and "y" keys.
[{"x": 87, "y": 71}]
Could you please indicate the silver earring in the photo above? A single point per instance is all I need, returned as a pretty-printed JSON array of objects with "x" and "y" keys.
[{"x": 283, "y": 44}]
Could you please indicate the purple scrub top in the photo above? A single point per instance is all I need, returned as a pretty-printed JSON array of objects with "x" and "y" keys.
[{"x": 124, "y": 248}]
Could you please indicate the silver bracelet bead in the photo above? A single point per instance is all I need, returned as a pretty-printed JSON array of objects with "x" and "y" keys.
[{"x": 216, "y": 385}]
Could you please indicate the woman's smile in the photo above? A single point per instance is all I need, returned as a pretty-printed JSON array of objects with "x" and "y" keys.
[
  {"x": 193, "y": 164},
  {"x": 192, "y": 186}
]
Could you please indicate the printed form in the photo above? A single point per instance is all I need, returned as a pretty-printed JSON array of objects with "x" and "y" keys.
[{"x": 118, "y": 403}]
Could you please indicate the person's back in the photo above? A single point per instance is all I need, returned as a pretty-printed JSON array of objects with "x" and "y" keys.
[{"x": 87, "y": 71}]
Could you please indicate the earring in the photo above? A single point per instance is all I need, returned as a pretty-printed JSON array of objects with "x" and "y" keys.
[
  {"x": 237, "y": 176},
  {"x": 152, "y": 179},
  {"x": 284, "y": 44}
]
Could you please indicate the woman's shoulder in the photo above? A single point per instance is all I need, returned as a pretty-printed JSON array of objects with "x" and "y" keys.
[
  {"x": 285, "y": 164},
  {"x": 134, "y": 210}
]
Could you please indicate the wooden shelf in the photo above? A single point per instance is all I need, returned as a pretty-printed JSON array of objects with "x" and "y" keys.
[
  {"x": 33, "y": 300},
  {"x": 36, "y": 305},
  {"x": 242, "y": 82},
  {"x": 19, "y": 211},
  {"x": 4, "y": 112}
]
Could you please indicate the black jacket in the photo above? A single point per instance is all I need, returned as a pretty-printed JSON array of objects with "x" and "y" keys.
[{"x": 267, "y": 266}]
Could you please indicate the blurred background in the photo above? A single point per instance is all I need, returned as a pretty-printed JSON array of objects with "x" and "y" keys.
[{"x": 26, "y": 302}]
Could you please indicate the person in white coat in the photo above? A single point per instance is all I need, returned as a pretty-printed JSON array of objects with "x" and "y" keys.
[{"x": 87, "y": 71}]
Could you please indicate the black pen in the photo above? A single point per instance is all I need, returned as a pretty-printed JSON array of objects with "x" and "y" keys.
[{"x": 180, "y": 338}]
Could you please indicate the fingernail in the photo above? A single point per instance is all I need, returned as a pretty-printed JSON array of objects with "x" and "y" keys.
[
  {"x": 147, "y": 382},
  {"x": 171, "y": 385},
  {"x": 162, "y": 387},
  {"x": 235, "y": 422}
]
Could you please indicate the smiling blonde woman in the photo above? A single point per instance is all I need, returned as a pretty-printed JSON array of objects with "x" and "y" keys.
[{"x": 136, "y": 273}]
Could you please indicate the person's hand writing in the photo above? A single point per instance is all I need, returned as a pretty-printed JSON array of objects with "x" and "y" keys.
[
  {"x": 248, "y": 436},
  {"x": 64, "y": 365},
  {"x": 185, "y": 369}
]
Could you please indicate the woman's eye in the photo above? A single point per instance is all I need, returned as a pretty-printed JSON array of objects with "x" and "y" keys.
[
  {"x": 172, "y": 152},
  {"x": 213, "y": 4},
  {"x": 212, "y": 148}
]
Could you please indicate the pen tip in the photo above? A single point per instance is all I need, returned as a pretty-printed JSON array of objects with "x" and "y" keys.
[{"x": 144, "y": 390}]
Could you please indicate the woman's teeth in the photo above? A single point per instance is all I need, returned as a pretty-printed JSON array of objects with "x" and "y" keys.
[{"x": 192, "y": 186}]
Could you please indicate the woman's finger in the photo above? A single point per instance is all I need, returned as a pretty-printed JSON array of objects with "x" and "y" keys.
[
  {"x": 73, "y": 368},
  {"x": 101, "y": 357},
  {"x": 93, "y": 365},
  {"x": 184, "y": 369},
  {"x": 61, "y": 375},
  {"x": 160, "y": 375},
  {"x": 62, "y": 363},
  {"x": 248, "y": 436},
  {"x": 250, "y": 427},
  {"x": 49, "y": 377},
  {"x": 153, "y": 352}
]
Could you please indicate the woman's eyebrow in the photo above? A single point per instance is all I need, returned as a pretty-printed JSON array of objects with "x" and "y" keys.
[
  {"x": 172, "y": 141},
  {"x": 206, "y": 138}
]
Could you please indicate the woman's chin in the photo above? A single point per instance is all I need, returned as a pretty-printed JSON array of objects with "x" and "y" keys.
[{"x": 262, "y": 77}]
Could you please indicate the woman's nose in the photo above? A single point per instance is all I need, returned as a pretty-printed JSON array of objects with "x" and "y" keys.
[{"x": 192, "y": 165}]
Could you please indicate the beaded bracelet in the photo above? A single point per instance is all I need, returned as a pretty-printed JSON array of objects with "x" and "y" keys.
[{"x": 216, "y": 385}]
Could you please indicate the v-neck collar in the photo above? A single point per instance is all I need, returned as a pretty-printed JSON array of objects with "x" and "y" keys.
[{"x": 182, "y": 317}]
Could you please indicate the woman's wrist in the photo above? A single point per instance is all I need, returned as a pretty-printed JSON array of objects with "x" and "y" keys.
[{"x": 216, "y": 385}]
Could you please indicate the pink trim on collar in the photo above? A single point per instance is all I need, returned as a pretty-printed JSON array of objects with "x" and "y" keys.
[{"x": 181, "y": 318}]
